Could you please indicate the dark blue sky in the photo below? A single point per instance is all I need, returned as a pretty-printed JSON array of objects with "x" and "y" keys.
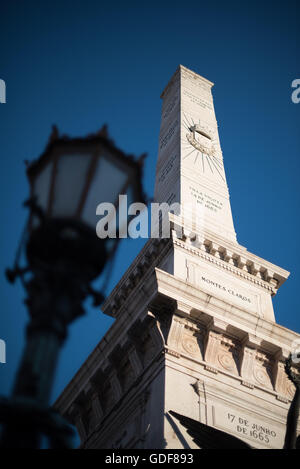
[{"x": 80, "y": 64}]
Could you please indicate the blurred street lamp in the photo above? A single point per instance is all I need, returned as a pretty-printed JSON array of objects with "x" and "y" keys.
[{"x": 64, "y": 256}]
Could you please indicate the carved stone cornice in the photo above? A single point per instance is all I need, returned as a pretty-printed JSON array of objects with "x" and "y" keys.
[
  {"x": 75, "y": 414},
  {"x": 231, "y": 258},
  {"x": 96, "y": 406},
  {"x": 135, "y": 361},
  {"x": 130, "y": 342},
  {"x": 200, "y": 306},
  {"x": 262, "y": 273},
  {"x": 151, "y": 254}
]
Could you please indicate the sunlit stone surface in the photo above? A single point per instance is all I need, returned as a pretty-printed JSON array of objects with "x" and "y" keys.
[{"x": 195, "y": 330}]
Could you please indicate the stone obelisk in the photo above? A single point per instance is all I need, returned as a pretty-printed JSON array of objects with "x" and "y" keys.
[
  {"x": 190, "y": 168},
  {"x": 194, "y": 328}
]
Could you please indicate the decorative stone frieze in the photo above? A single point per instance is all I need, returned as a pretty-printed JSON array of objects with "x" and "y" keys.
[
  {"x": 247, "y": 365},
  {"x": 75, "y": 414},
  {"x": 228, "y": 355},
  {"x": 282, "y": 383},
  {"x": 135, "y": 361},
  {"x": 241, "y": 266},
  {"x": 108, "y": 396},
  {"x": 126, "y": 374},
  {"x": 212, "y": 348},
  {"x": 96, "y": 406},
  {"x": 263, "y": 370},
  {"x": 176, "y": 333}
]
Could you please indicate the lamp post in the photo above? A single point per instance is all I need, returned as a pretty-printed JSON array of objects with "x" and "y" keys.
[{"x": 64, "y": 256}]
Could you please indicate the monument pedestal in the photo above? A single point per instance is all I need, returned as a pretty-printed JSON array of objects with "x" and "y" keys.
[
  {"x": 194, "y": 328},
  {"x": 176, "y": 346}
]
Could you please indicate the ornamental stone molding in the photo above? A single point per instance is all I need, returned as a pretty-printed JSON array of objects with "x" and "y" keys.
[
  {"x": 218, "y": 354},
  {"x": 267, "y": 277},
  {"x": 194, "y": 328}
]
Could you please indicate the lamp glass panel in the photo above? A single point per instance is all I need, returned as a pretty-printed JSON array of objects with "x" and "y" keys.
[
  {"x": 70, "y": 181},
  {"x": 41, "y": 186},
  {"x": 106, "y": 186}
]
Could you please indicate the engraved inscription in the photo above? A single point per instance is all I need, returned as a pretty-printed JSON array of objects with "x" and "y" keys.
[
  {"x": 197, "y": 100},
  {"x": 206, "y": 200},
  {"x": 231, "y": 291},
  {"x": 244, "y": 425},
  {"x": 252, "y": 429},
  {"x": 167, "y": 168},
  {"x": 168, "y": 136},
  {"x": 170, "y": 107},
  {"x": 222, "y": 288}
]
